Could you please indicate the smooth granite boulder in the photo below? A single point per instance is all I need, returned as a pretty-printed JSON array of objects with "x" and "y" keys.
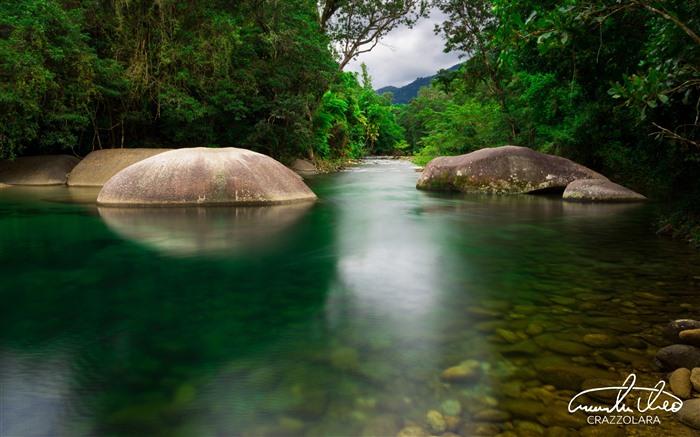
[
  {"x": 99, "y": 166},
  {"x": 502, "y": 170},
  {"x": 204, "y": 177},
  {"x": 598, "y": 190},
  {"x": 37, "y": 170}
]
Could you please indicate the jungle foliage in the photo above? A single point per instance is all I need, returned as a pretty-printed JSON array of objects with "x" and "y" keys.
[
  {"x": 80, "y": 75},
  {"x": 612, "y": 84}
]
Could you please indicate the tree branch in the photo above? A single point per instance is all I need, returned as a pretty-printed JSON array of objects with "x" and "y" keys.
[{"x": 671, "y": 18}]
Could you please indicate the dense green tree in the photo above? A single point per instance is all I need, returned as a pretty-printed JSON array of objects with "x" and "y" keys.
[
  {"x": 258, "y": 74},
  {"x": 47, "y": 77},
  {"x": 612, "y": 84}
]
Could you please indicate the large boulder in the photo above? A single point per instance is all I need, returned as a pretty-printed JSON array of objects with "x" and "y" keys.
[
  {"x": 37, "y": 170},
  {"x": 598, "y": 190},
  {"x": 503, "y": 170},
  {"x": 99, "y": 166},
  {"x": 201, "y": 177}
]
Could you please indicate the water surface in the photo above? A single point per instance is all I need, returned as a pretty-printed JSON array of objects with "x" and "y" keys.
[{"x": 335, "y": 318}]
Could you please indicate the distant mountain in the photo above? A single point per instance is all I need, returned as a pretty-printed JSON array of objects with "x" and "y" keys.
[{"x": 404, "y": 94}]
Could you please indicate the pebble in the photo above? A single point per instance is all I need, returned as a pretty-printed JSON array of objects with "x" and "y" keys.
[
  {"x": 690, "y": 413},
  {"x": 466, "y": 371},
  {"x": 561, "y": 300},
  {"x": 523, "y": 408},
  {"x": 524, "y": 347},
  {"x": 603, "y": 431},
  {"x": 534, "y": 329},
  {"x": 600, "y": 340},
  {"x": 489, "y": 325},
  {"x": 453, "y": 423},
  {"x": 677, "y": 326},
  {"x": 567, "y": 347},
  {"x": 621, "y": 356},
  {"x": 385, "y": 424},
  {"x": 479, "y": 429},
  {"x": 479, "y": 313},
  {"x": 626, "y": 326},
  {"x": 690, "y": 336},
  {"x": 679, "y": 381},
  {"x": 524, "y": 428},
  {"x": 695, "y": 378},
  {"x": 492, "y": 415},
  {"x": 508, "y": 336},
  {"x": 604, "y": 396},
  {"x": 558, "y": 415},
  {"x": 570, "y": 377},
  {"x": 560, "y": 431},
  {"x": 436, "y": 422},
  {"x": 451, "y": 407},
  {"x": 413, "y": 431}
]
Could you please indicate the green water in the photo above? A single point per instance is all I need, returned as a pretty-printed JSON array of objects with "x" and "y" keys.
[{"x": 327, "y": 319}]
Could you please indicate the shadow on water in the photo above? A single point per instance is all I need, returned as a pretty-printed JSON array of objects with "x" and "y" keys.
[{"x": 104, "y": 336}]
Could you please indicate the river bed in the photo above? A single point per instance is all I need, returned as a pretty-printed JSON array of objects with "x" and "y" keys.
[{"x": 377, "y": 309}]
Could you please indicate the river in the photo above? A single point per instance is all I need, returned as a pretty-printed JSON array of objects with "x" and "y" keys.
[{"x": 337, "y": 318}]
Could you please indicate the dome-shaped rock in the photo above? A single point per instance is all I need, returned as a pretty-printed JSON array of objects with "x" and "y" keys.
[
  {"x": 597, "y": 190},
  {"x": 37, "y": 170},
  {"x": 202, "y": 176},
  {"x": 506, "y": 170},
  {"x": 99, "y": 166}
]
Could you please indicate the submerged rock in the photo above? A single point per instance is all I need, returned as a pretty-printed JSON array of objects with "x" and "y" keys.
[
  {"x": 99, "y": 166},
  {"x": 571, "y": 377},
  {"x": 37, "y": 170},
  {"x": 466, "y": 371},
  {"x": 600, "y": 340},
  {"x": 204, "y": 177},
  {"x": 345, "y": 358},
  {"x": 598, "y": 190},
  {"x": 385, "y": 424},
  {"x": 413, "y": 431},
  {"x": 507, "y": 170},
  {"x": 436, "y": 422}
]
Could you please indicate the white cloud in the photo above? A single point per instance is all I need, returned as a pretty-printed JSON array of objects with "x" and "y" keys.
[{"x": 406, "y": 54}]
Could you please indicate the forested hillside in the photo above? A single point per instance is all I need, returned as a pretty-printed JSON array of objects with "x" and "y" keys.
[
  {"x": 403, "y": 95},
  {"x": 612, "y": 84}
]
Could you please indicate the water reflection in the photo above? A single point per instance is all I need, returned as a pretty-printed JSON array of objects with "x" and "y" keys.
[
  {"x": 205, "y": 231},
  {"x": 338, "y": 320}
]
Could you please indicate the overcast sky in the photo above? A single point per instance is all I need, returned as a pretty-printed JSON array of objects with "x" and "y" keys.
[{"x": 406, "y": 54}]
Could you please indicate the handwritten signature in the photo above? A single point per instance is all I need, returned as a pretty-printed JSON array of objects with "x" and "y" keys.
[{"x": 651, "y": 403}]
